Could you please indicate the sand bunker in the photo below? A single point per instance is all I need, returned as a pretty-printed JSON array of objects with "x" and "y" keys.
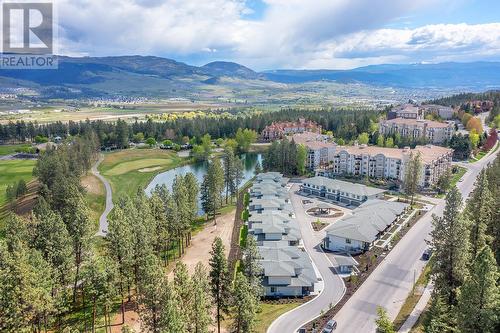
[{"x": 150, "y": 169}]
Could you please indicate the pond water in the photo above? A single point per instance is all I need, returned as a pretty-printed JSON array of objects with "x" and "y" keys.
[{"x": 199, "y": 169}]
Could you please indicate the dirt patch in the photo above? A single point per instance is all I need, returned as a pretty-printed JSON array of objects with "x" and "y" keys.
[
  {"x": 92, "y": 184},
  {"x": 150, "y": 169},
  {"x": 201, "y": 243}
]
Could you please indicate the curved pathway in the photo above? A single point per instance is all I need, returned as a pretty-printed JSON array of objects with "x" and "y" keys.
[
  {"x": 333, "y": 288},
  {"x": 103, "y": 220}
]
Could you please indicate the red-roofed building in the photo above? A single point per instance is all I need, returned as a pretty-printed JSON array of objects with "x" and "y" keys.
[{"x": 278, "y": 130}]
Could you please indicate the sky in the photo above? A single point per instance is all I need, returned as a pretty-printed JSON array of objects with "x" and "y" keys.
[{"x": 277, "y": 34}]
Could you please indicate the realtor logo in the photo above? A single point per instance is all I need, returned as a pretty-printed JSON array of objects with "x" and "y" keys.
[{"x": 27, "y": 35}]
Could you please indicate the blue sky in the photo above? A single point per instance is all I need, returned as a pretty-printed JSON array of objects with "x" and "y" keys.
[{"x": 271, "y": 34}]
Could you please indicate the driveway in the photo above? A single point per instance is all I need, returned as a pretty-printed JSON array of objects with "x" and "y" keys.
[
  {"x": 103, "y": 219},
  {"x": 389, "y": 284},
  {"x": 334, "y": 287}
]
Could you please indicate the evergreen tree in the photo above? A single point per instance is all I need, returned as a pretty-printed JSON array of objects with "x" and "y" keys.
[
  {"x": 212, "y": 187},
  {"x": 413, "y": 170},
  {"x": 244, "y": 305},
  {"x": 479, "y": 298},
  {"x": 99, "y": 281},
  {"x": 220, "y": 281},
  {"x": 251, "y": 266},
  {"x": 479, "y": 212},
  {"x": 449, "y": 263},
  {"x": 201, "y": 306},
  {"x": 121, "y": 249},
  {"x": 152, "y": 295},
  {"x": 237, "y": 176},
  {"x": 229, "y": 166},
  {"x": 438, "y": 318},
  {"x": 301, "y": 159},
  {"x": 184, "y": 290}
]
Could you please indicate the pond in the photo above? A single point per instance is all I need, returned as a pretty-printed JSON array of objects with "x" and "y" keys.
[{"x": 199, "y": 169}]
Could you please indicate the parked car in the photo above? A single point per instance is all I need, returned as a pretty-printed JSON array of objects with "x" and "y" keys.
[
  {"x": 330, "y": 326},
  {"x": 427, "y": 254}
]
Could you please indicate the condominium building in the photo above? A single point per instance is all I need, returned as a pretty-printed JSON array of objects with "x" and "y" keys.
[
  {"x": 287, "y": 268},
  {"x": 444, "y": 112},
  {"x": 432, "y": 131},
  {"x": 319, "y": 150},
  {"x": 278, "y": 130},
  {"x": 388, "y": 163},
  {"x": 406, "y": 111}
]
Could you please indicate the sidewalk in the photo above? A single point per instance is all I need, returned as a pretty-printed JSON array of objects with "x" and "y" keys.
[{"x": 417, "y": 311}]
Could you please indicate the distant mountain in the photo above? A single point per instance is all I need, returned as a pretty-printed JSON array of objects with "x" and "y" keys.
[
  {"x": 474, "y": 75},
  {"x": 160, "y": 77},
  {"x": 231, "y": 69}
]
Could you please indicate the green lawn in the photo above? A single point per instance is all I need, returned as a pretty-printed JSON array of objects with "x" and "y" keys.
[
  {"x": 456, "y": 176},
  {"x": 477, "y": 157},
  {"x": 10, "y": 149},
  {"x": 131, "y": 169},
  {"x": 11, "y": 171},
  {"x": 269, "y": 312}
]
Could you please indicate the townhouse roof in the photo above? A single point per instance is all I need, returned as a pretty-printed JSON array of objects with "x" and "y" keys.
[
  {"x": 367, "y": 221},
  {"x": 335, "y": 184}
]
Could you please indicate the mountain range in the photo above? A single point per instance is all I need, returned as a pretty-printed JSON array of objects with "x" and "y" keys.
[{"x": 162, "y": 77}]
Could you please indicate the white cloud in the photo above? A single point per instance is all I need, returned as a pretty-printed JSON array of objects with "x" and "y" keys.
[{"x": 291, "y": 33}]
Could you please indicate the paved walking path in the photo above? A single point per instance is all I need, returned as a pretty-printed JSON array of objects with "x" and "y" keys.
[
  {"x": 103, "y": 220},
  {"x": 417, "y": 311}
]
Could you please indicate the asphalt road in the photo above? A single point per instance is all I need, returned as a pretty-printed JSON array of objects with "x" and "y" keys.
[
  {"x": 103, "y": 219},
  {"x": 390, "y": 283},
  {"x": 333, "y": 285}
]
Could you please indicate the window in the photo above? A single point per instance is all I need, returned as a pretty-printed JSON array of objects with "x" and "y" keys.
[
  {"x": 348, "y": 241},
  {"x": 273, "y": 289}
]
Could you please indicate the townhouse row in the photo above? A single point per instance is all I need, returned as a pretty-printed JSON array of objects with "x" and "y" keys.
[{"x": 287, "y": 268}]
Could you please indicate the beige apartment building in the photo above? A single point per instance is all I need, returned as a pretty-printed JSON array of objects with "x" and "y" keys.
[
  {"x": 432, "y": 131},
  {"x": 388, "y": 163}
]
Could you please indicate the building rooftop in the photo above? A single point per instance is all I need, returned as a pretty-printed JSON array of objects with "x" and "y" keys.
[
  {"x": 418, "y": 122},
  {"x": 429, "y": 153},
  {"x": 353, "y": 188},
  {"x": 367, "y": 221}
]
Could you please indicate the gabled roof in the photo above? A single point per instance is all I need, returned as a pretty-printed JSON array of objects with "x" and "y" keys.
[
  {"x": 334, "y": 184},
  {"x": 367, "y": 221}
]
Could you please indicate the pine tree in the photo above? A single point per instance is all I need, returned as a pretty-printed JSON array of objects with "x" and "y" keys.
[
  {"x": 479, "y": 212},
  {"x": 384, "y": 324},
  {"x": 99, "y": 279},
  {"x": 55, "y": 245},
  {"x": 450, "y": 250},
  {"x": 121, "y": 249},
  {"x": 237, "y": 176},
  {"x": 229, "y": 165},
  {"x": 251, "y": 266},
  {"x": 172, "y": 318},
  {"x": 212, "y": 187},
  {"x": 438, "y": 318},
  {"x": 244, "y": 305},
  {"x": 201, "y": 306},
  {"x": 220, "y": 281},
  {"x": 152, "y": 294},
  {"x": 413, "y": 170},
  {"x": 181, "y": 196},
  {"x": 184, "y": 289},
  {"x": 479, "y": 299}
]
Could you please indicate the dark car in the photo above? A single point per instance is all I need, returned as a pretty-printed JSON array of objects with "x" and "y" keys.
[
  {"x": 427, "y": 254},
  {"x": 331, "y": 325}
]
